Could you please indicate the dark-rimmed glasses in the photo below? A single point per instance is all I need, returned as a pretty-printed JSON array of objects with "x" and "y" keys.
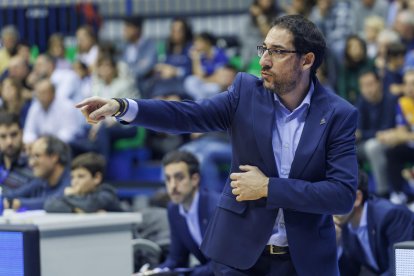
[{"x": 273, "y": 52}]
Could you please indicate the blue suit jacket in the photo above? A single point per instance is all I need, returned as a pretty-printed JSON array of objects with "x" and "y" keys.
[
  {"x": 387, "y": 224},
  {"x": 322, "y": 180},
  {"x": 182, "y": 243}
]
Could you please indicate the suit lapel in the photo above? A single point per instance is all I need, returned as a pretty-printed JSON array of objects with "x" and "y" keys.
[
  {"x": 317, "y": 119},
  {"x": 351, "y": 241},
  {"x": 263, "y": 124},
  {"x": 184, "y": 231},
  {"x": 372, "y": 234},
  {"x": 203, "y": 214}
]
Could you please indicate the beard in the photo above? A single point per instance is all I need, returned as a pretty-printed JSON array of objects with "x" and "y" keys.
[
  {"x": 284, "y": 84},
  {"x": 12, "y": 153}
]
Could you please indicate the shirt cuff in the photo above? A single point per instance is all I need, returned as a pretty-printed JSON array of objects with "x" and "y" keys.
[{"x": 132, "y": 111}]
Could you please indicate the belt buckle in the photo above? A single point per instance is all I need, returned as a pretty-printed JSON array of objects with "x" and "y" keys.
[{"x": 276, "y": 250}]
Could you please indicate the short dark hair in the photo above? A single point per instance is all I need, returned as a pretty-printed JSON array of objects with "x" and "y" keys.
[
  {"x": 92, "y": 162},
  {"x": 395, "y": 50},
  {"x": 306, "y": 37},
  {"x": 367, "y": 71},
  {"x": 56, "y": 146},
  {"x": 209, "y": 37},
  {"x": 89, "y": 30},
  {"x": 134, "y": 21},
  {"x": 182, "y": 156},
  {"x": 8, "y": 119},
  {"x": 363, "y": 184}
]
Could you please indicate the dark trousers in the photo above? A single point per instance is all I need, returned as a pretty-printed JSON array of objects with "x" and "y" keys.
[
  {"x": 267, "y": 265},
  {"x": 397, "y": 157}
]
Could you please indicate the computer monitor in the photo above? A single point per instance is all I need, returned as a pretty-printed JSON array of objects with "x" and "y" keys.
[
  {"x": 404, "y": 258},
  {"x": 19, "y": 250}
]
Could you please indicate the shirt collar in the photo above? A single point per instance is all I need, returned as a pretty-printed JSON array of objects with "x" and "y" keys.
[
  {"x": 193, "y": 207},
  {"x": 305, "y": 103},
  {"x": 363, "y": 222}
]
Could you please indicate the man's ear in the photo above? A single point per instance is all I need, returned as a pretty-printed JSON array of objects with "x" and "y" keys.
[
  {"x": 308, "y": 60},
  {"x": 98, "y": 177},
  {"x": 195, "y": 178}
]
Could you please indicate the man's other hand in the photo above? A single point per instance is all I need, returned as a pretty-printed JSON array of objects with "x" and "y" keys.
[{"x": 251, "y": 184}]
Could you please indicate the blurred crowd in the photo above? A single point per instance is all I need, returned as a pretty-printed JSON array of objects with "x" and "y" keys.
[{"x": 370, "y": 63}]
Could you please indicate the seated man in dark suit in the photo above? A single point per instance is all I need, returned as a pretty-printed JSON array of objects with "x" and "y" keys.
[
  {"x": 189, "y": 212},
  {"x": 367, "y": 234},
  {"x": 49, "y": 160}
]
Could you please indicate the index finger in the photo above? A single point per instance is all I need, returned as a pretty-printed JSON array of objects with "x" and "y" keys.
[
  {"x": 235, "y": 176},
  {"x": 85, "y": 102}
]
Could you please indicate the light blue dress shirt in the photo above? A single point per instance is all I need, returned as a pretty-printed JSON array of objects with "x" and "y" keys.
[
  {"x": 285, "y": 140},
  {"x": 362, "y": 233},
  {"x": 191, "y": 217}
]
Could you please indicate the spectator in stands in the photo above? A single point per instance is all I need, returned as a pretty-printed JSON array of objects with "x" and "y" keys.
[
  {"x": 66, "y": 82},
  {"x": 399, "y": 141},
  {"x": 84, "y": 74},
  {"x": 12, "y": 99},
  {"x": 302, "y": 7},
  {"x": 356, "y": 60},
  {"x": 210, "y": 73},
  {"x": 189, "y": 212},
  {"x": 366, "y": 235},
  {"x": 404, "y": 26},
  {"x": 362, "y": 9},
  {"x": 394, "y": 64},
  {"x": 254, "y": 30},
  {"x": 56, "y": 49},
  {"x": 87, "y": 192},
  {"x": 373, "y": 25},
  {"x": 384, "y": 39},
  {"x": 205, "y": 56},
  {"x": 87, "y": 45},
  {"x": 24, "y": 51},
  {"x": 19, "y": 70},
  {"x": 107, "y": 48},
  {"x": 50, "y": 115},
  {"x": 201, "y": 88},
  {"x": 110, "y": 83},
  {"x": 376, "y": 113},
  {"x": 9, "y": 38},
  {"x": 14, "y": 166},
  {"x": 334, "y": 19},
  {"x": 177, "y": 62},
  {"x": 140, "y": 53},
  {"x": 395, "y": 7},
  {"x": 49, "y": 158}
]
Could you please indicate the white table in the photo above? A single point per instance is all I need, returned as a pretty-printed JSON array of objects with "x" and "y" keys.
[{"x": 81, "y": 244}]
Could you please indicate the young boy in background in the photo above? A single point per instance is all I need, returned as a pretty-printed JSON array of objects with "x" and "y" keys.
[{"x": 87, "y": 192}]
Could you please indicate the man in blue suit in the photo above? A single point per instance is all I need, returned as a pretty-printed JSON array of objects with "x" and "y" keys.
[
  {"x": 188, "y": 214},
  {"x": 293, "y": 165},
  {"x": 368, "y": 233}
]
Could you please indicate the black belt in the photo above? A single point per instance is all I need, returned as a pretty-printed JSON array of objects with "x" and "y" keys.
[{"x": 276, "y": 250}]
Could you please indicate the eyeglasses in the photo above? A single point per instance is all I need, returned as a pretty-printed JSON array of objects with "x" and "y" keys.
[{"x": 261, "y": 50}]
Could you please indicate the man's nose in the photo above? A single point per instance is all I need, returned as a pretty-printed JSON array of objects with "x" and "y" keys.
[
  {"x": 265, "y": 60},
  {"x": 9, "y": 140}
]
